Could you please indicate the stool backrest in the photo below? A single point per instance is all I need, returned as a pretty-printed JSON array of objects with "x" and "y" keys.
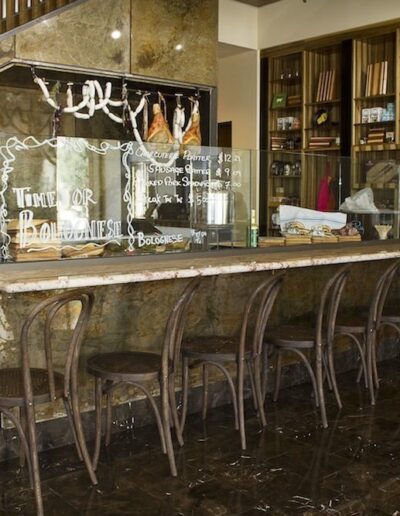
[
  {"x": 49, "y": 309},
  {"x": 380, "y": 294},
  {"x": 175, "y": 328},
  {"x": 260, "y": 303},
  {"x": 329, "y": 304}
]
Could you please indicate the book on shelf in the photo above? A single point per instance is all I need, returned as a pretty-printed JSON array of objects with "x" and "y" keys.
[
  {"x": 326, "y": 86},
  {"x": 376, "y": 80},
  {"x": 321, "y": 141},
  {"x": 376, "y": 135},
  {"x": 293, "y": 100}
]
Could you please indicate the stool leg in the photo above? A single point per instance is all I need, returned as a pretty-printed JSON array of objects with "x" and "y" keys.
[
  {"x": 320, "y": 386},
  {"x": 174, "y": 412},
  {"x": 374, "y": 361},
  {"x": 370, "y": 369},
  {"x": 22, "y": 451},
  {"x": 278, "y": 373},
  {"x": 108, "y": 417},
  {"x": 258, "y": 390},
  {"x": 205, "y": 391},
  {"x": 34, "y": 458},
  {"x": 363, "y": 366},
  {"x": 240, "y": 402},
  {"x": 22, "y": 437},
  {"x": 252, "y": 383},
  {"x": 98, "y": 398},
  {"x": 167, "y": 426},
  {"x": 80, "y": 435},
  {"x": 67, "y": 408},
  {"x": 332, "y": 373},
  {"x": 185, "y": 387}
]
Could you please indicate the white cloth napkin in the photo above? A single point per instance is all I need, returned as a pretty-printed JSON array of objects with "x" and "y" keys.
[{"x": 310, "y": 218}]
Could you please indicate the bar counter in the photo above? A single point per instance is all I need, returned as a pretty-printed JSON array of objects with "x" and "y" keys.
[{"x": 41, "y": 276}]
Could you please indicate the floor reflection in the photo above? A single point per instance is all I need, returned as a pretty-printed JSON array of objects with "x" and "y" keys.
[{"x": 291, "y": 467}]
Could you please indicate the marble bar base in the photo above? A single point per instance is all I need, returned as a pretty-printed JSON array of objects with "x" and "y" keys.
[{"x": 56, "y": 432}]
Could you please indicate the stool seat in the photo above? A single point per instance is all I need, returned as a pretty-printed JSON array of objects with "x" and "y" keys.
[
  {"x": 215, "y": 348},
  {"x": 12, "y": 387},
  {"x": 290, "y": 336},
  {"x": 351, "y": 323},
  {"x": 125, "y": 366}
]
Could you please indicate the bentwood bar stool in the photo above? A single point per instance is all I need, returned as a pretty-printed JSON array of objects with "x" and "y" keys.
[
  {"x": 362, "y": 329},
  {"x": 112, "y": 370},
  {"x": 26, "y": 387},
  {"x": 318, "y": 341},
  {"x": 246, "y": 348}
]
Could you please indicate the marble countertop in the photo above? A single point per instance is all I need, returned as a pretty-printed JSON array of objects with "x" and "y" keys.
[{"x": 39, "y": 276}]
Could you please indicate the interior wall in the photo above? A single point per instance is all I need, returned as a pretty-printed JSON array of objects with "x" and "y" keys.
[
  {"x": 293, "y": 20},
  {"x": 238, "y": 102},
  {"x": 237, "y": 97},
  {"x": 238, "y": 24}
]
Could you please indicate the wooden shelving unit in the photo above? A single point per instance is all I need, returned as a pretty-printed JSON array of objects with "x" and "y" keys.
[
  {"x": 322, "y": 94},
  {"x": 360, "y": 82},
  {"x": 368, "y": 155},
  {"x": 283, "y": 167}
]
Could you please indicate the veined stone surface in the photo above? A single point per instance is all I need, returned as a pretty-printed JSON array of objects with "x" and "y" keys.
[
  {"x": 175, "y": 39},
  {"x": 81, "y": 36},
  {"x": 7, "y": 50}
]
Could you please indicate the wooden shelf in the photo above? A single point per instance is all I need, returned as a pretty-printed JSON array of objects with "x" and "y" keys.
[
  {"x": 375, "y": 123},
  {"x": 323, "y": 128},
  {"x": 324, "y": 102},
  {"x": 375, "y": 147},
  {"x": 287, "y": 151},
  {"x": 288, "y": 108},
  {"x": 286, "y": 177},
  {"x": 379, "y": 186},
  {"x": 292, "y": 80},
  {"x": 321, "y": 150},
  {"x": 285, "y": 131},
  {"x": 373, "y": 97}
]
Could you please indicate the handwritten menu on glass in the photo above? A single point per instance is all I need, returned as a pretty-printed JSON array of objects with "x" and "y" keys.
[{"x": 78, "y": 198}]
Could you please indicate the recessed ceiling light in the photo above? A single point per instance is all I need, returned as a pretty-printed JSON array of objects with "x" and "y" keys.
[
  {"x": 179, "y": 47},
  {"x": 116, "y": 34}
]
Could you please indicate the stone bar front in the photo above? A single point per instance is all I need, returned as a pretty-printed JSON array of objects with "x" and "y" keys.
[{"x": 134, "y": 297}]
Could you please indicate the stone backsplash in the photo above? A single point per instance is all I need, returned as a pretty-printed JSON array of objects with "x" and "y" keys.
[{"x": 174, "y": 40}]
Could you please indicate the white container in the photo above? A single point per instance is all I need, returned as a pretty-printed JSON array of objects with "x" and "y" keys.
[{"x": 365, "y": 115}]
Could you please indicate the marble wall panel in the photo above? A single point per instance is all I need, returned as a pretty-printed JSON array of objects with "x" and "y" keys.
[
  {"x": 7, "y": 50},
  {"x": 158, "y": 26},
  {"x": 81, "y": 36},
  {"x": 134, "y": 316}
]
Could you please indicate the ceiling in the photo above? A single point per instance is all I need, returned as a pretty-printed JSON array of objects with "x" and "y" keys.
[{"x": 258, "y": 3}]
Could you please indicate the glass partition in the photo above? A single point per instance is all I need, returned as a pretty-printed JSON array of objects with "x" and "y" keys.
[
  {"x": 321, "y": 197},
  {"x": 77, "y": 198},
  {"x": 67, "y": 198}
]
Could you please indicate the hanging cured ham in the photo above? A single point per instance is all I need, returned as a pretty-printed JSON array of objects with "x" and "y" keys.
[
  {"x": 159, "y": 131},
  {"x": 192, "y": 134}
]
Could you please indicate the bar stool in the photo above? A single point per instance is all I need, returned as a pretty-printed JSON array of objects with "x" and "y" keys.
[
  {"x": 25, "y": 387},
  {"x": 362, "y": 328},
  {"x": 319, "y": 340},
  {"x": 391, "y": 315},
  {"x": 219, "y": 351},
  {"x": 112, "y": 370}
]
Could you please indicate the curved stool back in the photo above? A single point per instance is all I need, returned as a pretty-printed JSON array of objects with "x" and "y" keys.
[{"x": 59, "y": 385}]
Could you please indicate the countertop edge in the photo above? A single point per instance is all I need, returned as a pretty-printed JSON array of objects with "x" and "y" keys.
[{"x": 41, "y": 283}]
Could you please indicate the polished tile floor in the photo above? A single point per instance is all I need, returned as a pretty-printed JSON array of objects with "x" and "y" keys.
[{"x": 292, "y": 467}]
